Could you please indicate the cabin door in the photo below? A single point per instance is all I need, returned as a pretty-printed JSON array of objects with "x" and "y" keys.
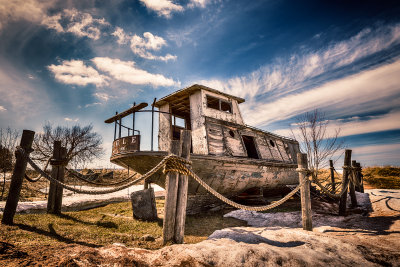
[{"x": 250, "y": 146}]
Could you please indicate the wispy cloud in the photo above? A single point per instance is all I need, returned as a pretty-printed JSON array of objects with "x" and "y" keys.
[
  {"x": 79, "y": 23},
  {"x": 30, "y": 10},
  {"x": 24, "y": 98},
  {"x": 102, "y": 96},
  {"x": 291, "y": 86},
  {"x": 354, "y": 91},
  {"x": 92, "y": 104},
  {"x": 286, "y": 75},
  {"x": 2, "y": 109},
  {"x": 69, "y": 119},
  {"x": 355, "y": 125},
  {"x": 127, "y": 71},
  {"x": 198, "y": 3},
  {"x": 163, "y": 8},
  {"x": 122, "y": 37},
  {"x": 377, "y": 154},
  {"x": 76, "y": 72}
]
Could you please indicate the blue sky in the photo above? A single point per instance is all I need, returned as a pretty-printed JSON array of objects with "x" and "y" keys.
[{"x": 70, "y": 62}]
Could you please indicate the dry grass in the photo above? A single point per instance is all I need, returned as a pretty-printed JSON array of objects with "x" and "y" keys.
[
  {"x": 382, "y": 177},
  {"x": 104, "y": 226}
]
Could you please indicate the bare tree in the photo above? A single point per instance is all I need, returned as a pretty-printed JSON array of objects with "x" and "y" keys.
[
  {"x": 8, "y": 141},
  {"x": 82, "y": 144},
  {"x": 315, "y": 140}
]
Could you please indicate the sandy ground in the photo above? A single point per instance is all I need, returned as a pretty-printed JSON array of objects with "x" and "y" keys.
[{"x": 368, "y": 236}]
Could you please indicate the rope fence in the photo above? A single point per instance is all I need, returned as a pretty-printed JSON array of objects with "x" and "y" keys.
[{"x": 173, "y": 163}]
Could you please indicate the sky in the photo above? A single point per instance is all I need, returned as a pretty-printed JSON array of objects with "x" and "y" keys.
[{"x": 78, "y": 62}]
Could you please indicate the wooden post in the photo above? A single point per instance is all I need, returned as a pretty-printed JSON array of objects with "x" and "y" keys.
[
  {"x": 171, "y": 187},
  {"x": 146, "y": 184},
  {"x": 181, "y": 204},
  {"x": 352, "y": 186},
  {"x": 359, "y": 177},
  {"x": 306, "y": 215},
  {"x": 59, "y": 188},
  {"x": 343, "y": 198},
  {"x": 17, "y": 178},
  {"x": 332, "y": 176},
  {"x": 51, "y": 201}
]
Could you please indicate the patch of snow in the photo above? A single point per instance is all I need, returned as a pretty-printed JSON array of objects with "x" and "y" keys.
[{"x": 73, "y": 201}]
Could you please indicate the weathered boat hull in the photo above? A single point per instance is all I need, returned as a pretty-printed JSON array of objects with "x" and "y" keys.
[{"x": 228, "y": 175}]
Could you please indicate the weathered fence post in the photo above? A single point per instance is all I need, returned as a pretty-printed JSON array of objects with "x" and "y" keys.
[
  {"x": 60, "y": 177},
  {"x": 332, "y": 175},
  {"x": 352, "y": 185},
  {"x": 56, "y": 174},
  {"x": 359, "y": 177},
  {"x": 306, "y": 215},
  {"x": 346, "y": 172},
  {"x": 17, "y": 178},
  {"x": 181, "y": 204},
  {"x": 171, "y": 187}
]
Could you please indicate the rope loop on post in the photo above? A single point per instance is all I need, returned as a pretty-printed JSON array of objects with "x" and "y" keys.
[
  {"x": 177, "y": 164},
  {"x": 58, "y": 162}
]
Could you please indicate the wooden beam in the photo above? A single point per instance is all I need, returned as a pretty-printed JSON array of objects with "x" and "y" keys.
[{"x": 126, "y": 112}]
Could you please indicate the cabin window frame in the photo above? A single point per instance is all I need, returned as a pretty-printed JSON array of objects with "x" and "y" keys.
[{"x": 221, "y": 102}]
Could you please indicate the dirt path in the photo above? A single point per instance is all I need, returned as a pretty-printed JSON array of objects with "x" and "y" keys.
[{"x": 360, "y": 238}]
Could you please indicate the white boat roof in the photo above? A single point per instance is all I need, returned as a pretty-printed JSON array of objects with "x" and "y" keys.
[{"x": 185, "y": 92}]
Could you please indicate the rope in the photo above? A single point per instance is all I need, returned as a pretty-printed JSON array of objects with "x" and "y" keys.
[
  {"x": 240, "y": 206},
  {"x": 354, "y": 177},
  {"x": 80, "y": 176},
  {"x": 34, "y": 180},
  {"x": 171, "y": 163},
  {"x": 326, "y": 191},
  {"x": 96, "y": 192}
]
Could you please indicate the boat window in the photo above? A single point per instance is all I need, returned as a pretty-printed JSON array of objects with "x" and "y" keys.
[
  {"x": 231, "y": 133},
  {"x": 219, "y": 104},
  {"x": 212, "y": 102},
  {"x": 250, "y": 147},
  {"x": 176, "y": 121},
  {"x": 178, "y": 124},
  {"x": 226, "y": 106},
  {"x": 272, "y": 143}
]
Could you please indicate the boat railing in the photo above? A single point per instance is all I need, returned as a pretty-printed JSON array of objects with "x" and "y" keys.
[{"x": 136, "y": 134}]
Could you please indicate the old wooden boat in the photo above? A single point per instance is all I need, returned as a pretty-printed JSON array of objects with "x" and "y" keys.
[{"x": 227, "y": 154}]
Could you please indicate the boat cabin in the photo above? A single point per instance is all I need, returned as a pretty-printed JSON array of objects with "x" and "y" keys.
[{"x": 216, "y": 125}]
